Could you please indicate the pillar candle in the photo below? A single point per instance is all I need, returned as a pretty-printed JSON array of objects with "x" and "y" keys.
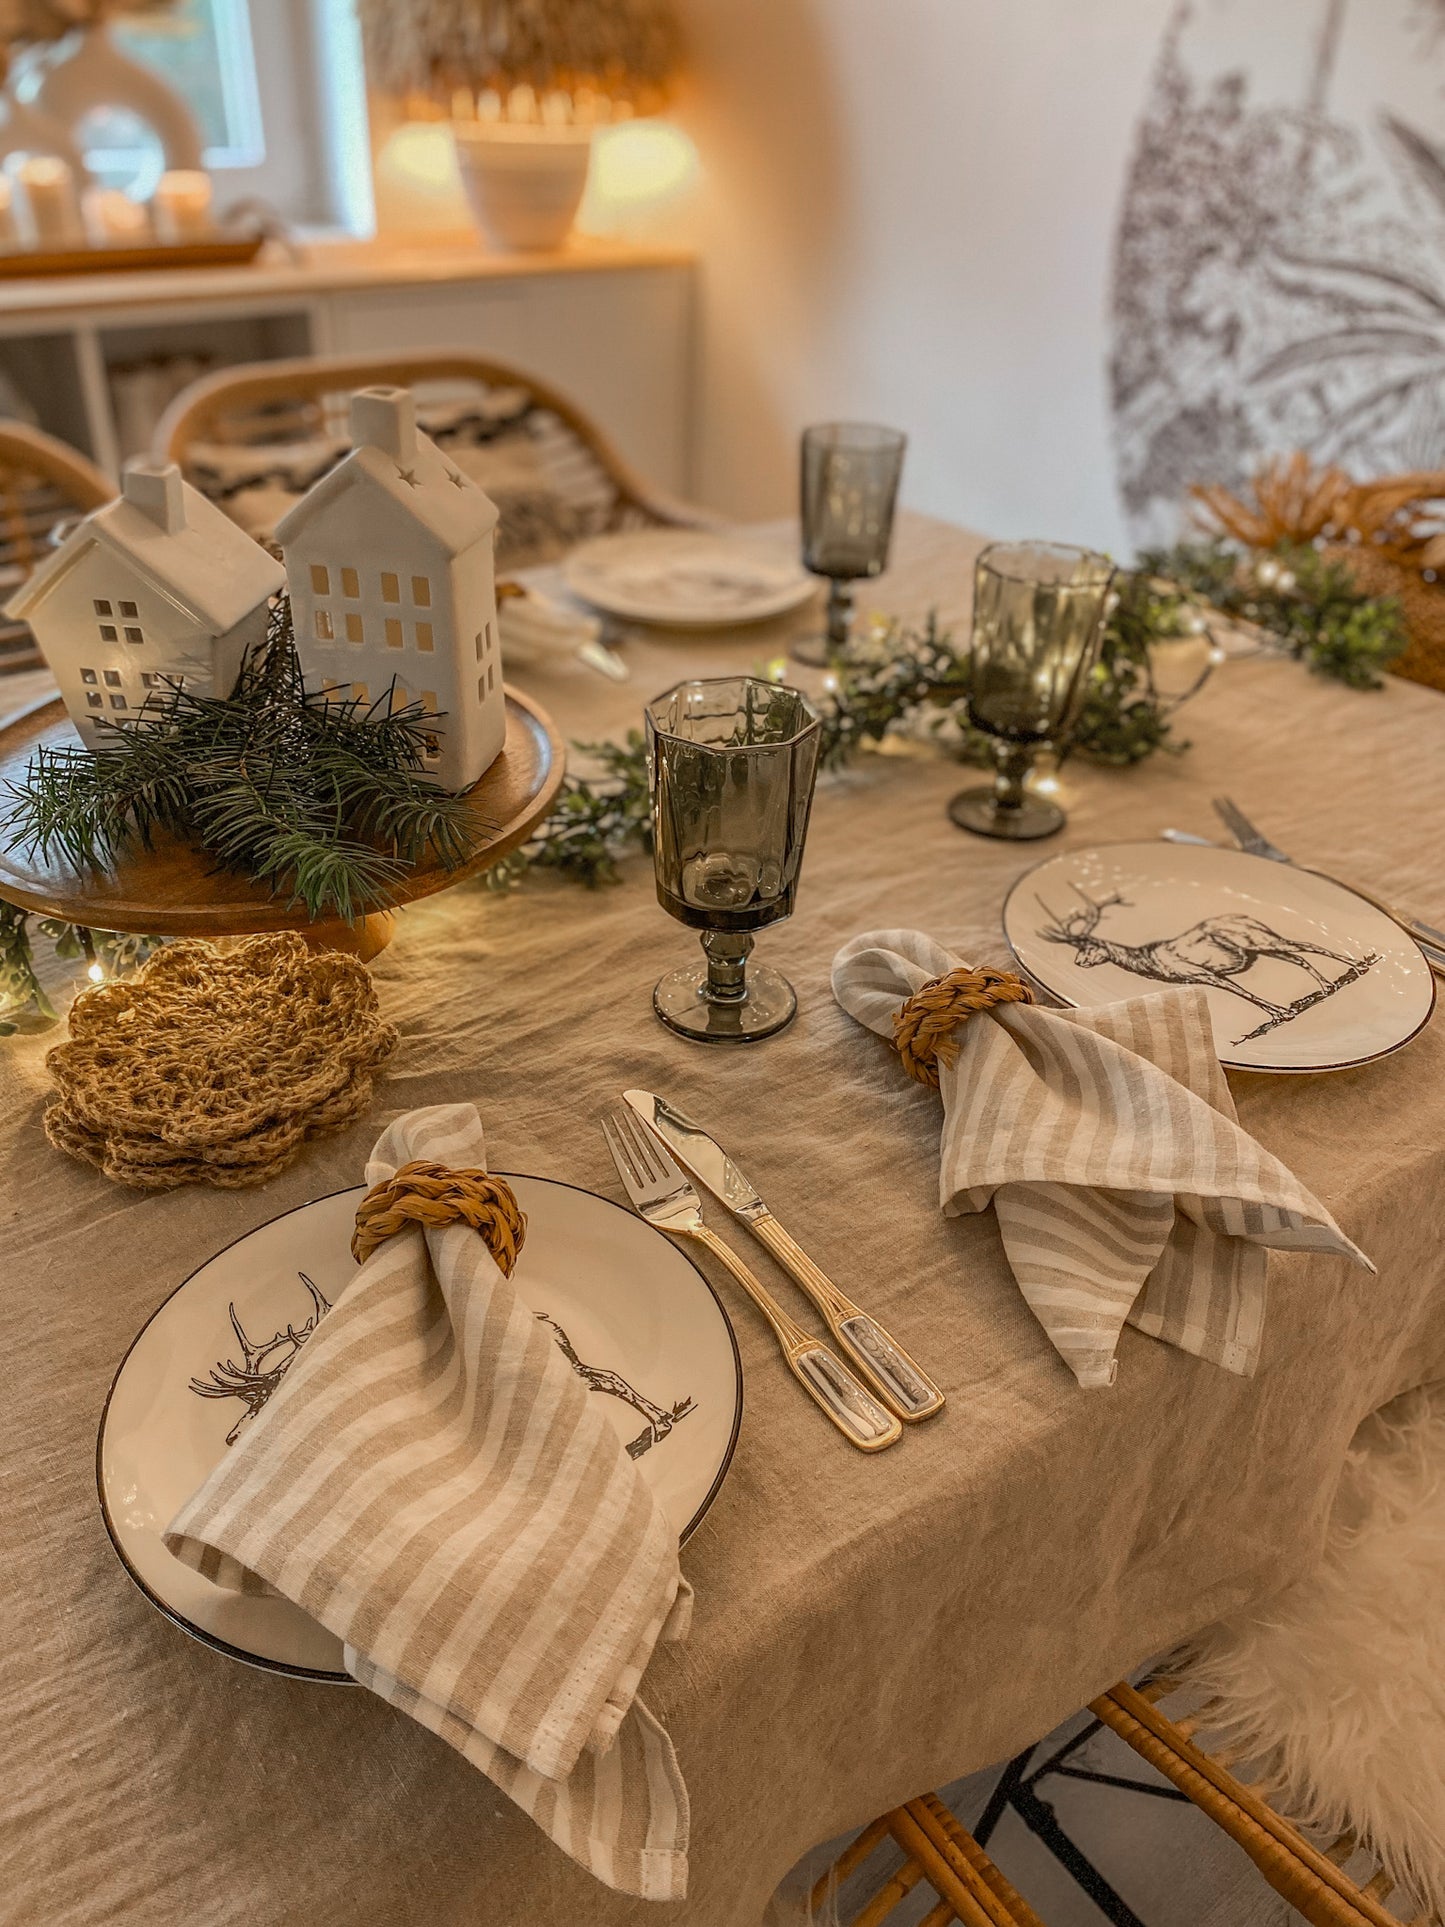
[
  {"x": 54, "y": 205},
  {"x": 113, "y": 219},
  {"x": 181, "y": 205}
]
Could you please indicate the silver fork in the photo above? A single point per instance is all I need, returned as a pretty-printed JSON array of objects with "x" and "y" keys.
[
  {"x": 661, "y": 1193},
  {"x": 1250, "y": 839}
]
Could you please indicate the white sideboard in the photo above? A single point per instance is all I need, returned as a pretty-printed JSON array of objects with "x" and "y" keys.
[{"x": 611, "y": 325}]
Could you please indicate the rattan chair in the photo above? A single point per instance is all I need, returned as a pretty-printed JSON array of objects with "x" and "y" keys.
[
  {"x": 291, "y": 406},
  {"x": 1313, "y": 1879},
  {"x": 941, "y": 1855},
  {"x": 43, "y": 483}
]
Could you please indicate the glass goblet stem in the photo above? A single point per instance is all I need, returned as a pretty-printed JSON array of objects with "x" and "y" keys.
[
  {"x": 727, "y": 954},
  {"x": 840, "y": 616},
  {"x": 1012, "y": 762}
]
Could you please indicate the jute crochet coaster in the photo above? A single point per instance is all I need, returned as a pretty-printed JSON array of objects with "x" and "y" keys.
[{"x": 213, "y": 1067}]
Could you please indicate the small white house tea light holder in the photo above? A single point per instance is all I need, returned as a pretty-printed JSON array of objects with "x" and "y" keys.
[
  {"x": 154, "y": 588},
  {"x": 389, "y": 559}
]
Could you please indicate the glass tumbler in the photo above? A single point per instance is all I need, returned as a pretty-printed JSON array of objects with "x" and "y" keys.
[
  {"x": 849, "y": 486},
  {"x": 1038, "y": 619},
  {"x": 731, "y": 763}
]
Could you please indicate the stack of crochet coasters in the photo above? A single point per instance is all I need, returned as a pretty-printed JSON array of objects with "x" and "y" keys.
[{"x": 213, "y": 1067}]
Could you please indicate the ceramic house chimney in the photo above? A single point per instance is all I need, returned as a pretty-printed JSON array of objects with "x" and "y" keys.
[
  {"x": 155, "y": 489},
  {"x": 385, "y": 418}
]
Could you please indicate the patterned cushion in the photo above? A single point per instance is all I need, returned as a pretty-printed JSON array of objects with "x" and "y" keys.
[{"x": 551, "y": 490}]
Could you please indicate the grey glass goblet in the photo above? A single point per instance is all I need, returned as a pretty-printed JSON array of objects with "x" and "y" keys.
[
  {"x": 849, "y": 487},
  {"x": 731, "y": 763},
  {"x": 1038, "y": 619}
]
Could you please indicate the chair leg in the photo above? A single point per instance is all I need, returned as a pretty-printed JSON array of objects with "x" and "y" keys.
[
  {"x": 972, "y": 1891},
  {"x": 1304, "y": 1875}
]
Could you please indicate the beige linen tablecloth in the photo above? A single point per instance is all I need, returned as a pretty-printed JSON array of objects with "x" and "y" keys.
[{"x": 865, "y": 1628}]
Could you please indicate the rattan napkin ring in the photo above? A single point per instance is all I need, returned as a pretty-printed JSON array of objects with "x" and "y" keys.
[
  {"x": 214, "y": 1066},
  {"x": 436, "y": 1194},
  {"x": 923, "y": 1029}
]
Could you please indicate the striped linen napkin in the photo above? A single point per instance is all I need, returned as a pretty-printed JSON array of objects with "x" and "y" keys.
[
  {"x": 433, "y": 1483},
  {"x": 1108, "y": 1144}
]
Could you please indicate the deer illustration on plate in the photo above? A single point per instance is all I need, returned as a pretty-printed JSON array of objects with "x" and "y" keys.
[{"x": 1215, "y": 953}]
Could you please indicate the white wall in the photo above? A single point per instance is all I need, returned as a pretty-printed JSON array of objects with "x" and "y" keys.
[{"x": 906, "y": 214}]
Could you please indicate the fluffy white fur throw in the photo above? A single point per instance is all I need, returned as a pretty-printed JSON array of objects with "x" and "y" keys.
[{"x": 1335, "y": 1691}]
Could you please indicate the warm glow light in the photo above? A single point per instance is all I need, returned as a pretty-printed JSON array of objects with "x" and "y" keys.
[
  {"x": 418, "y": 189},
  {"x": 1046, "y": 785},
  {"x": 642, "y": 163},
  {"x": 96, "y": 973}
]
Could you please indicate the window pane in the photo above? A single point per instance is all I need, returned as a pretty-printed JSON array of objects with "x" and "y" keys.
[
  {"x": 349, "y": 583},
  {"x": 203, "y": 48},
  {"x": 421, "y": 591},
  {"x": 423, "y": 636},
  {"x": 323, "y": 625},
  {"x": 320, "y": 580},
  {"x": 353, "y": 628},
  {"x": 393, "y": 633},
  {"x": 390, "y": 587}
]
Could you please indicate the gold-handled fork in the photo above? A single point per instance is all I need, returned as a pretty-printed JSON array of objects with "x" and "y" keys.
[{"x": 660, "y": 1192}]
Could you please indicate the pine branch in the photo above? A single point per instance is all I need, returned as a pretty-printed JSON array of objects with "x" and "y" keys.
[{"x": 323, "y": 801}]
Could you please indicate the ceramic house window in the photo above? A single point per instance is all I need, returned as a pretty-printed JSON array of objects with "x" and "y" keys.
[
  {"x": 421, "y": 591},
  {"x": 324, "y": 631},
  {"x": 350, "y": 583},
  {"x": 107, "y": 632},
  {"x": 95, "y": 699},
  {"x": 133, "y": 634},
  {"x": 390, "y": 587},
  {"x": 491, "y": 676},
  {"x": 117, "y": 702},
  {"x": 360, "y": 692},
  {"x": 424, "y": 637},
  {"x": 354, "y": 630},
  {"x": 129, "y": 609},
  {"x": 112, "y": 676},
  {"x": 320, "y": 579},
  {"x": 87, "y": 675},
  {"x": 393, "y": 632},
  {"x": 481, "y": 644}
]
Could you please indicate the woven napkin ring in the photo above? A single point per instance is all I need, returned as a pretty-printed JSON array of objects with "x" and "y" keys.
[
  {"x": 922, "y": 1029},
  {"x": 437, "y": 1194}
]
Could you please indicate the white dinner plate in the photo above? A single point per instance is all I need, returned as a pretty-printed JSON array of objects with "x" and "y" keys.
[
  {"x": 681, "y": 578},
  {"x": 624, "y": 1303},
  {"x": 1302, "y": 974}
]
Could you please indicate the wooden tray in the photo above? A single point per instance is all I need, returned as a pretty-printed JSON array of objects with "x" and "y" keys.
[
  {"x": 173, "y": 890},
  {"x": 23, "y": 263}
]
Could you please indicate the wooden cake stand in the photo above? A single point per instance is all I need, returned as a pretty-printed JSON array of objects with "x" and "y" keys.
[{"x": 173, "y": 890}]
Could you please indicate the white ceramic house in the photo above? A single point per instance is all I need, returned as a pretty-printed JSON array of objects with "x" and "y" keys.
[
  {"x": 390, "y": 564},
  {"x": 156, "y": 586}
]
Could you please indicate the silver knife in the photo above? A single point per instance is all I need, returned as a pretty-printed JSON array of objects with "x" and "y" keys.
[{"x": 907, "y": 1390}]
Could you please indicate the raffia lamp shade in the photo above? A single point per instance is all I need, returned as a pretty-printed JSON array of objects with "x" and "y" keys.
[{"x": 608, "y": 52}]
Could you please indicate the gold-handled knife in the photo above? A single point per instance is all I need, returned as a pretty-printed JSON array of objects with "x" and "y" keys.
[{"x": 905, "y": 1387}]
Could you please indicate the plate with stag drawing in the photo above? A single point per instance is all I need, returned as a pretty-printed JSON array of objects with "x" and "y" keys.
[
  {"x": 1301, "y": 973},
  {"x": 631, "y": 1314}
]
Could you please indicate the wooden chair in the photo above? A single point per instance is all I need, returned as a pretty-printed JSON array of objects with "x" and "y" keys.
[
  {"x": 1311, "y": 1878},
  {"x": 306, "y": 401},
  {"x": 43, "y": 483},
  {"x": 941, "y": 1855}
]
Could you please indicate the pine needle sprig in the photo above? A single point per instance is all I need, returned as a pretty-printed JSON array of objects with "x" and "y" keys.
[{"x": 325, "y": 802}]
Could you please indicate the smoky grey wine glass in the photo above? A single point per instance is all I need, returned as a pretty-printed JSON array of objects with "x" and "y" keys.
[
  {"x": 1038, "y": 618},
  {"x": 731, "y": 763},
  {"x": 849, "y": 487}
]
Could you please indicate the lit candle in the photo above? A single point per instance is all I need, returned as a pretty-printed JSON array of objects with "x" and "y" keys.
[
  {"x": 54, "y": 206},
  {"x": 9, "y": 226},
  {"x": 113, "y": 219},
  {"x": 181, "y": 205}
]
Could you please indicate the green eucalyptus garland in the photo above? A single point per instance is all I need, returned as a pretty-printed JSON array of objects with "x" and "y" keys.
[{"x": 326, "y": 852}]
